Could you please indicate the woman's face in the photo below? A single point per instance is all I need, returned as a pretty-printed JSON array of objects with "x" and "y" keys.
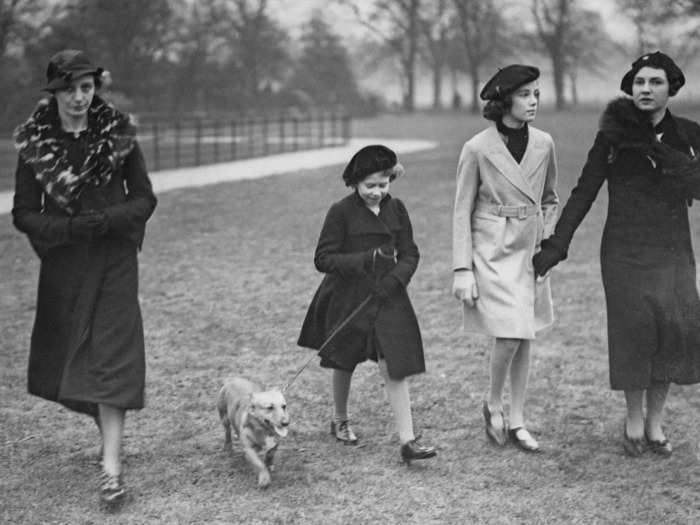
[
  {"x": 525, "y": 101},
  {"x": 650, "y": 89},
  {"x": 373, "y": 188},
  {"x": 74, "y": 101}
]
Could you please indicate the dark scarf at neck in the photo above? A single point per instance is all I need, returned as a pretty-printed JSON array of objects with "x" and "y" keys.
[
  {"x": 516, "y": 139},
  {"x": 39, "y": 141}
]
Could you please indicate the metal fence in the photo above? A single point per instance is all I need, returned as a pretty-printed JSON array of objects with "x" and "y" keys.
[{"x": 174, "y": 143}]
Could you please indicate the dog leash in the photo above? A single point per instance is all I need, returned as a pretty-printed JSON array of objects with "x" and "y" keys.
[{"x": 329, "y": 339}]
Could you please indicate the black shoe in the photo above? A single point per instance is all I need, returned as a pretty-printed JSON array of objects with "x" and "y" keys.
[
  {"x": 112, "y": 489},
  {"x": 523, "y": 439},
  {"x": 662, "y": 448},
  {"x": 414, "y": 450},
  {"x": 634, "y": 447},
  {"x": 343, "y": 432},
  {"x": 496, "y": 435}
]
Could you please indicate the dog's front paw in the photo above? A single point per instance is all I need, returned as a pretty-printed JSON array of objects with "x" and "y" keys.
[{"x": 263, "y": 479}]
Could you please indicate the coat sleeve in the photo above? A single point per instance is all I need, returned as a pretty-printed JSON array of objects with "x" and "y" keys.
[
  {"x": 128, "y": 219},
  {"x": 329, "y": 257},
  {"x": 550, "y": 200},
  {"x": 465, "y": 196},
  {"x": 594, "y": 173},
  {"x": 43, "y": 230},
  {"x": 408, "y": 255}
]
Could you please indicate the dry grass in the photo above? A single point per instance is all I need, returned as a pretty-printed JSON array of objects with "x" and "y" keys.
[{"x": 226, "y": 275}]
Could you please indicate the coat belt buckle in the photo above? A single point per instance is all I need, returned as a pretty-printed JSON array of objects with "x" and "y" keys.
[{"x": 522, "y": 212}]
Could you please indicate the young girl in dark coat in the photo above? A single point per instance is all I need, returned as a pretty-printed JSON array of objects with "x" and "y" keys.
[{"x": 366, "y": 249}]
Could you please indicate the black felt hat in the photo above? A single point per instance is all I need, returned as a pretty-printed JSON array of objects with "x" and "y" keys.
[
  {"x": 657, "y": 60},
  {"x": 366, "y": 161},
  {"x": 507, "y": 80},
  {"x": 67, "y": 65}
]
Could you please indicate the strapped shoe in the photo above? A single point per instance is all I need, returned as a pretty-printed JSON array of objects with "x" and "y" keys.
[
  {"x": 414, "y": 450},
  {"x": 343, "y": 432},
  {"x": 662, "y": 447},
  {"x": 496, "y": 435},
  {"x": 523, "y": 439},
  {"x": 634, "y": 447},
  {"x": 112, "y": 489}
]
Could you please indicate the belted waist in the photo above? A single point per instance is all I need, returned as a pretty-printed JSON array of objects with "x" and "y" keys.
[{"x": 519, "y": 212}]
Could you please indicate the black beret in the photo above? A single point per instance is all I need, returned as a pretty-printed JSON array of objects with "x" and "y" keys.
[
  {"x": 507, "y": 80},
  {"x": 657, "y": 60},
  {"x": 366, "y": 161}
]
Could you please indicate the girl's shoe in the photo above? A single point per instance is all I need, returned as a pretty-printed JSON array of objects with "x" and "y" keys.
[
  {"x": 414, "y": 450},
  {"x": 634, "y": 447},
  {"x": 112, "y": 489},
  {"x": 523, "y": 439},
  {"x": 343, "y": 432},
  {"x": 662, "y": 448},
  {"x": 496, "y": 434}
]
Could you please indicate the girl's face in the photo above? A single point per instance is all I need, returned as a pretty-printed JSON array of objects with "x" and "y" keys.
[
  {"x": 525, "y": 101},
  {"x": 74, "y": 101},
  {"x": 650, "y": 89},
  {"x": 373, "y": 188}
]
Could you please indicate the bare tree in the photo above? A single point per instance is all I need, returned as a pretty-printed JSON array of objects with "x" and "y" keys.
[
  {"x": 483, "y": 35},
  {"x": 396, "y": 24},
  {"x": 435, "y": 29},
  {"x": 553, "y": 27},
  {"x": 15, "y": 17},
  {"x": 672, "y": 26}
]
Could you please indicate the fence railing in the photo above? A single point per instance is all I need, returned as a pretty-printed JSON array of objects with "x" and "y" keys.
[{"x": 174, "y": 143}]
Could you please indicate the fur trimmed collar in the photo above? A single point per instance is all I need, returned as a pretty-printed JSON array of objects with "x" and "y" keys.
[
  {"x": 110, "y": 138},
  {"x": 625, "y": 126}
]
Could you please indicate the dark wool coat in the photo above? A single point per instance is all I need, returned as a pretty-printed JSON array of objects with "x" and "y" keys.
[
  {"x": 646, "y": 255},
  {"x": 349, "y": 234},
  {"x": 87, "y": 344}
]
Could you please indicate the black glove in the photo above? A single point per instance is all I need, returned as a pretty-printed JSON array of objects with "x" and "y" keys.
[
  {"x": 88, "y": 226},
  {"x": 386, "y": 286},
  {"x": 668, "y": 158},
  {"x": 548, "y": 257}
]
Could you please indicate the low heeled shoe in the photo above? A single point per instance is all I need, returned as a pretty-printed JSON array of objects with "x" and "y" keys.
[
  {"x": 343, "y": 432},
  {"x": 415, "y": 450},
  {"x": 661, "y": 447},
  {"x": 523, "y": 439},
  {"x": 634, "y": 447},
  {"x": 495, "y": 434}
]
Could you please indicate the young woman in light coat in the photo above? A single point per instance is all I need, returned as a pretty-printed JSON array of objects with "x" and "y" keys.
[{"x": 505, "y": 204}]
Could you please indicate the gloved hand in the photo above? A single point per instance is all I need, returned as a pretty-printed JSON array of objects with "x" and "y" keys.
[
  {"x": 88, "y": 226},
  {"x": 548, "y": 257},
  {"x": 668, "y": 158},
  {"x": 386, "y": 286},
  {"x": 464, "y": 287}
]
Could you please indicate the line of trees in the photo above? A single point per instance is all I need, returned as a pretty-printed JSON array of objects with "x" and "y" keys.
[{"x": 184, "y": 56}]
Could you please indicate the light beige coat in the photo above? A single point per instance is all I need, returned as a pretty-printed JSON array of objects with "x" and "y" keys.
[{"x": 502, "y": 212}]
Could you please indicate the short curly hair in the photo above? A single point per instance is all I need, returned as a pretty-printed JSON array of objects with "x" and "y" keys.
[{"x": 495, "y": 109}]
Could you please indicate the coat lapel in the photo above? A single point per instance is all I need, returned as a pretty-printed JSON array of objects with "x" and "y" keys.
[{"x": 497, "y": 153}]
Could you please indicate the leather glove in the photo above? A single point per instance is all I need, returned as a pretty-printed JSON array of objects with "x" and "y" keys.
[
  {"x": 667, "y": 157},
  {"x": 386, "y": 286},
  {"x": 548, "y": 257},
  {"x": 88, "y": 226},
  {"x": 464, "y": 287}
]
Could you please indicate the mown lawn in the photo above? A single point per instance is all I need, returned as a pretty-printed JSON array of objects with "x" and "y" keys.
[{"x": 226, "y": 275}]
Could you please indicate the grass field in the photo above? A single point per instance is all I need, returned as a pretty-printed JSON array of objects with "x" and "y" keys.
[{"x": 226, "y": 276}]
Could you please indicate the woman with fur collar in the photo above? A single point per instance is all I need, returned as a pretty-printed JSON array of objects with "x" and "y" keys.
[
  {"x": 82, "y": 197},
  {"x": 647, "y": 156}
]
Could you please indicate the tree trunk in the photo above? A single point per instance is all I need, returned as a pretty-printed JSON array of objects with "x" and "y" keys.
[
  {"x": 474, "y": 74},
  {"x": 437, "y": 87},
  {"x": 558, "y": 73},
  {"x": 574, "y": 89}
]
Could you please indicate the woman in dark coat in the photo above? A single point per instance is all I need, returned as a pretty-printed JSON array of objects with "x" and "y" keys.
[
  {"x": 646, "y": 156},
  {"x": 366, "y": 249},
  {"x": 82, "y": 197}
]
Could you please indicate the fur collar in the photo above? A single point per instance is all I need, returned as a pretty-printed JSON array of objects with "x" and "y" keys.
[
  {"x": 110, "y": 138},
  {"x": 625, "y": 126}
]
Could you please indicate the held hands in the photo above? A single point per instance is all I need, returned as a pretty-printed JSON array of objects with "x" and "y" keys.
[
  {"x": 464, "y": 287},
  {"x": 548, "y": 257},
  {"x": 88, "y": 226}
]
